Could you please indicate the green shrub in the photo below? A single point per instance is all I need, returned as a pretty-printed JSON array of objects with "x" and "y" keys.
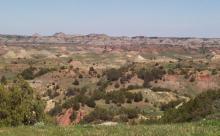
[
  {"x": 28, "y": 73},
  {"x": 123, "y": 80},
  {"x": 160, "y": 89},
  {"x": 146, "y": 100},
  {"x": 91, "y": 69},
  {"x": 123, "y": 118},
  {"x": 75, "y": 106},
  {"x": 91, "y": 103},
  {"x": 214, "y": 72},
  {"x": 113, "y": 74},
  {"x": 81, "y": 99},
  {"x": 52, "y": 93},
  {"x": 196, "y": 109},
  {"x": 68, "y": 103},
  {"x": 170, "y": 105},
  {"x": 131, "y": 113},
  {"x": 73, "y": 116},
  {"x": 116, "y": 96},
  {"x": 76, "y": 82},
  {"x": 138, "y": 97},
  {"x": 107, "y": 101},
  {"x": 117, "y": 85},
  {"x": 80, "y": 76},
  {"x": 3, "y": 80},
  {"x": 97, "y": 95},
  {"x": 129, "y": 100},
  {"x": 18, "y": 106},
  {"x": 56, "y": 110},
  {"x": 149, "y": 75},
  {"x": 131, "y": 87},
  {"x": 32, "y": 72},
  {"x": 99, "y": 114},
  {"x": 71, "y": 103},
  {"x": 72, "y": 91}
]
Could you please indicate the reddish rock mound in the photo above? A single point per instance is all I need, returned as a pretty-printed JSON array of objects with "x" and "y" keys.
[{"x": 64, "y": 120}]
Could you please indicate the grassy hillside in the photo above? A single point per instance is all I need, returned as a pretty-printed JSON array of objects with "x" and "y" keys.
[
  {"x": 78, "y": 84},
  {"x": 204, "y": 105},
  {"x": 205, "y": 128}
]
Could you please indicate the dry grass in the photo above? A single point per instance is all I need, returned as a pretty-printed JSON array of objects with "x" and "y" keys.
[{"x": 210, "y": 128}]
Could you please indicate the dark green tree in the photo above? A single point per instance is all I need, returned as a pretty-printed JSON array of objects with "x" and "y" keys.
[
  {"x": 3, "y": 80},
  {"x": 19, "y": 106}
]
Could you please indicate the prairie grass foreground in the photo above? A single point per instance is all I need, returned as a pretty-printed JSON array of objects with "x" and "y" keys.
[{"x": 204, "y": 128}]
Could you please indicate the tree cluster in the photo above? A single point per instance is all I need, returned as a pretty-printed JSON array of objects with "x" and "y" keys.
[
  {"x": 18, "y": 105},
  {"x": 196, "y": 109}
]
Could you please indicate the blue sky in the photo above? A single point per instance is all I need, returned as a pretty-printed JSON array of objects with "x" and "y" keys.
[{"x": 182, "y": 18}]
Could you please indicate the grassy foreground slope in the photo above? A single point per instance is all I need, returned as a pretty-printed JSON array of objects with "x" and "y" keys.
[{"x": 207, "y": 128}]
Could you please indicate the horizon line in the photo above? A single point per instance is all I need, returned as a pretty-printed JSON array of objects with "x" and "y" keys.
[{"x": 109, "y": 35}]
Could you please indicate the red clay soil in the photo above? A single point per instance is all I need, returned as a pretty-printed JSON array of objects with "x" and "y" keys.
[
  {"x": 64, "y": 120},
  {"x": 2, "y": 51},
  {"x": 205, "y": 82},
  {"x": 171, "y": 77},
  {"x": 204, "y": 78}
]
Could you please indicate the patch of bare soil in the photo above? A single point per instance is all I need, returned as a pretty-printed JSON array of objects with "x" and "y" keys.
[
  {"x": 75, "y": 63},
  {"x": 205, "y": 81},
  {"x": 160, "y": 97},
  {"x": 50, "y": 105},
  {"x": 170, "y": 81}
]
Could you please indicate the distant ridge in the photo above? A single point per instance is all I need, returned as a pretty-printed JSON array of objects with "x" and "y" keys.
[{"x": 105, "y": 40}]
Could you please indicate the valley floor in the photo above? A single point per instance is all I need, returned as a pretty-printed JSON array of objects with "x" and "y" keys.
[{"x": 207, "y": 128}]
